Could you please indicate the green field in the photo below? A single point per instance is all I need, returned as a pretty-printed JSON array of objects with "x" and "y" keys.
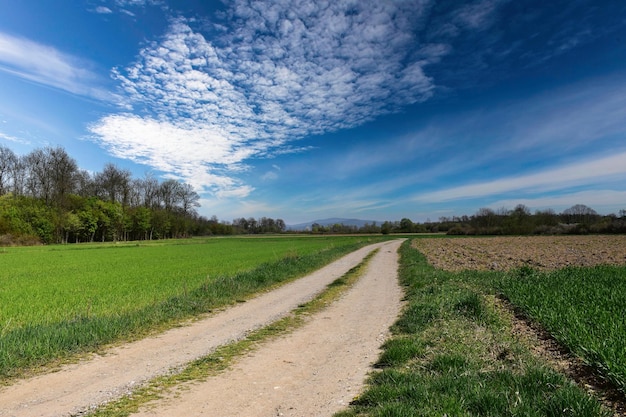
[
  {"x": 60, "y": 300},
  {"x": 583, "y": 308},
  {"x": 453, "y": 350}
]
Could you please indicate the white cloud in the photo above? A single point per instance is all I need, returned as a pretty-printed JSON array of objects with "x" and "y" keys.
[
  {"x": 269, "y": 176},
  {"x": 478, "y": 15},
  {"x": 199, "y": 154},
  {"x": 13, "y": 138},
  {"x": 103, "y": 10},
  {"x": 240, "y": 208},
  {"x": 137, "y": 3},
  {"x": 594, "y": 171},
  {"x": 284, "y": 69},
  {"x": 46, "y": 65}
]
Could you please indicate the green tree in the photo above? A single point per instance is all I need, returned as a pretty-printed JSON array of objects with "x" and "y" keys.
[
  {"x": 406, "y": 225},
  {"x": 519, "y": 221},
  {"x": 161, "y": 224},
  {"x": 72, "y": 227},
  {"x": 142, "y": 222},
  {"x": 386, "y": 228},
  {"x": 88, "y": 219},
  {"x": 485, "y": 220}
]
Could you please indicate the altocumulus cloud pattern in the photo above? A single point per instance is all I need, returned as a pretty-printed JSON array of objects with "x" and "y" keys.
[{"x": 267, "y": 73}]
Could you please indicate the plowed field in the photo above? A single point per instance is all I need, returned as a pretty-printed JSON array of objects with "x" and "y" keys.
[{"x": 504, "y": 253}]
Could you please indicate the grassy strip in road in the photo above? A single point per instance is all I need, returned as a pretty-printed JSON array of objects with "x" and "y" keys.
[
  {"x": 225, "y": 356},
  {"x": 453, "y": 354}
]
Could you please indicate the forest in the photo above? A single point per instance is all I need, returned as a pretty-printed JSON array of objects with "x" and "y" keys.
[{"x": 45, "y": 198}]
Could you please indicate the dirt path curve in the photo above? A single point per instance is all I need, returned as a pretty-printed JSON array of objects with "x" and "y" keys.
[
  {"x": 314, "y": 371},
  {"x": 78, "y": 387}
]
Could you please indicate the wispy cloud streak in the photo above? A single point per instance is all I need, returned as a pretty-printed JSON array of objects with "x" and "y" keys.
[
  {"x": 601, "y": 170},
  {"x": 13, "y": 139},
  {"x": 48, "y": 66}
]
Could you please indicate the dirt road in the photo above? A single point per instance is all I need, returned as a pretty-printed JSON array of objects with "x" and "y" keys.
[{"x": 314, "y": 371}]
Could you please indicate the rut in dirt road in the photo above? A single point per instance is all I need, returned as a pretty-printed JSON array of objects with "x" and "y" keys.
[
  {"x": 315, "y": 370},
  {"x": 81, "y": 386}
]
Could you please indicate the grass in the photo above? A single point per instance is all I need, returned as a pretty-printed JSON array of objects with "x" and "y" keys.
[
  {"x": 453, "y": 353},
  {"x": 224, "y": 356},
  {"x": 60, "y": 301},
  {"x": 583, "y": 308}
]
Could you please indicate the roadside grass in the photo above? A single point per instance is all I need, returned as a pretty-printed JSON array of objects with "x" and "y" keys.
[
  {"x": 584, "y": 309},
  {"x": 225, "y": 356},
  {"x": 62, "y": 301},
  {"x": 453, "y": 353}
]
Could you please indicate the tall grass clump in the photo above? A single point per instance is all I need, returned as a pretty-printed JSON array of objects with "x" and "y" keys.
[
  {"x": 69, "y": 301},
  {"x": 582, "y": 308},
  {"x": 453, "y": 353}
]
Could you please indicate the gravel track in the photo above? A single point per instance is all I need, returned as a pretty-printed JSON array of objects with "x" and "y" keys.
[
  {"x": 101, "y": 378},
  {"x": 314, "y": 371}
]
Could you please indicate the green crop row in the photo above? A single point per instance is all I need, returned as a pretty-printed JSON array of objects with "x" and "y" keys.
[
  {"x": 583, "y": 308},
  {"x": 59, "y": 300},
  {"x": 453, "y": 353}
]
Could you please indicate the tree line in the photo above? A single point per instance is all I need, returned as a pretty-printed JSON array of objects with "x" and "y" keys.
[
  {"x": 46, "y": 198},
  {"x": 578, "y": 219}
]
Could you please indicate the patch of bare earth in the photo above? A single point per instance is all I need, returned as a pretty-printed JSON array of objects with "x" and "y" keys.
[
  {"x": 542, "y": 253},
  {"x": 311, "y": 372},
  {"x": 505, "y": 253}
]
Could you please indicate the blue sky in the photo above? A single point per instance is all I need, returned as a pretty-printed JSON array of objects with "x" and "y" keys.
[{"x": 303, "y": 110}]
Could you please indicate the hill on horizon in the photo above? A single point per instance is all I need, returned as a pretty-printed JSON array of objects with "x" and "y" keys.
[{"x": 330, "y": 222}]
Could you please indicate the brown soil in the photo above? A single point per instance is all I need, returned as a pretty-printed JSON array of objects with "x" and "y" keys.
[
  {"x": 541, "y": 252},
  {"x": 314, "y": 371}
]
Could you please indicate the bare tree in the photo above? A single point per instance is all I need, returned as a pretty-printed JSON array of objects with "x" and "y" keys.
[
  {"x": 85, "y": 184},
  {"x": 188, "y": 198},
  {"x": 8, "y": 160},
  {"x": 63, "y": 170},
  {"x": 39, "y": 179},
  {"x": 149, "y": 189},
  {"x": 113, "y": 184},
  {"x": 136, "y": 193},
  {"x": 19, "y": 175},
  {"x": 169, "y": 193},
  {"x": 50, "y": 175},
  {"x": 580, "y": 213}
]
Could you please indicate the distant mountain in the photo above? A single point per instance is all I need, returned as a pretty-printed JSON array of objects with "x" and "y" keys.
[{"x": 329, "y": 222}]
